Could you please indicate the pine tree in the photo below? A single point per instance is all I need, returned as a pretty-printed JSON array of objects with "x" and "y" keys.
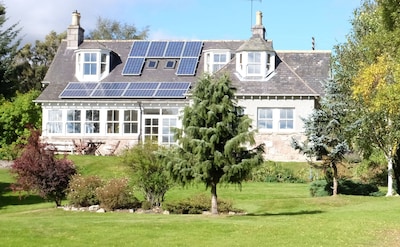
[
  {"x": 215, "y": 139},
  {"x": 328, "y": 130},
  {"x": 8, "y": 48}
]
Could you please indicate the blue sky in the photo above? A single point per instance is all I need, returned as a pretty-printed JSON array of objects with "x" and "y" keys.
[{"x": 289, "y": 23}]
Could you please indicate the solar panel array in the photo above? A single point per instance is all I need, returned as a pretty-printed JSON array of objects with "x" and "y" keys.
[
  {"x": 187, "y": 51},
  {"x": 125, "y": 90}
]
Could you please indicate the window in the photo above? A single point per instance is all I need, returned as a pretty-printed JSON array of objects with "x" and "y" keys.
[
  {"x": 286, "y": 119},
  {"x": 167, "y": 132},
  {"x": 152, "y": 64},
  {"x": 92, "y": 124},
  {"x": 73, "y": 121},
  {"x": 254, "y": 63},
  {"x": 112, "y": 121},
  {"x": 170, "y": 64},
  {"x": 265, "y": 118},
  {"x": 90, "y": 63},
  {"x": 130, "y": 122},
  {"x": 215, "y": 60},
  {"x": 151, "y": 129},
  {"x": 54, "y": 124}
]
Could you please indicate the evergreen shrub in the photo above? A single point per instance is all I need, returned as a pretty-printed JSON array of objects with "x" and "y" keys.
[
  {"x": 273, "y": 172},
  {"x": 320, "y": 188}
]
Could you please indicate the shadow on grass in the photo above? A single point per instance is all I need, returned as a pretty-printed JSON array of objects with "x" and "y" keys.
[
  {"x": 302, "y": 212},
  {"x": 8, "y": 197}
]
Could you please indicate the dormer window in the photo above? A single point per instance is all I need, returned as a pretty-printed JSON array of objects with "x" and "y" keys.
[
  {"x": 92, "y": 64},
  {"x": 216, "y": 59},
  {"x": 255, "y": 64}
]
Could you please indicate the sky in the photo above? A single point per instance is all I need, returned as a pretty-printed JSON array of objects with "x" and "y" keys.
[{"x": 291, "y": 24}]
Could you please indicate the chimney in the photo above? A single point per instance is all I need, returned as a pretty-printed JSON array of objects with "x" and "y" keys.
[
  {"x": 75, "y": 32},
  {"x": 258, "y": 28}
]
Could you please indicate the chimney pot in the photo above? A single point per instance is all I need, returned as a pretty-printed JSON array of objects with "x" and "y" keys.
[{"x": 76, "y": 18}]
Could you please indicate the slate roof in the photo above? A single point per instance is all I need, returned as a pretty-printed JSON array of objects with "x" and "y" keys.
[{"x": 297, "y": 72}]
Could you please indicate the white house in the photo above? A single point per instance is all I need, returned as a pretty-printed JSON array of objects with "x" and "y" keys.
[{"x": 113, "y": 93}]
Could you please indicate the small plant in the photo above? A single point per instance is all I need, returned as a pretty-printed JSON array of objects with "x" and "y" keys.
[
  {"x": 197, "y": 205},
  {"x": 116, "y": 194},
  {"x": 320, "y": 188},
  {"x": 273, "y": 172},
  {"x": 82, "y": 190}
]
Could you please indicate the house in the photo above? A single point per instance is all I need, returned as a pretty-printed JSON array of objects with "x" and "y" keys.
[{"x": 110, "y": 94}]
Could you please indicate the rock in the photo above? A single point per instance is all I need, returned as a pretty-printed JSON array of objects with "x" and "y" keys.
[
  {"x": 94, "y": 208},
  {"x": 101, "y": 210}
]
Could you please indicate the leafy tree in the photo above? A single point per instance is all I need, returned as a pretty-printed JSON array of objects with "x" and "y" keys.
[
  {"x": 215, "y": 139},
  {"x": 107, "y": 29},
  {"x": 327, "y": 130},
  {"x": 9, "y": 45},
  {"x": 368, "y": 64},
  {"x": 149, "y": 173},
  {"x": 32, "y": 62},
  {"x": 15, "y": 118},
  {"x": 38, "y": 170}
]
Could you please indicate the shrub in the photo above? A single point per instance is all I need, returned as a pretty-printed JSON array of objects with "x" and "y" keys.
[
  {"x": 274, "y": 172},
  {"x": 319, "y": 188},
  {"x": 39, "y": 170},
  {"x": 149, "y": 174},
  {"x": 197, "y": 205},
  {"x": 346, "y": 187},
  {"x": 116, "y": 194},
  {"x": 82, "y": 190}
]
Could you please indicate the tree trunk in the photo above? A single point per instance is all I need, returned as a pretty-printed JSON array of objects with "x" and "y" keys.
[
  {"x": 390, "y": 177},
  {"x": 214, "y": 204},
  {"x": 335, "y": 180}
]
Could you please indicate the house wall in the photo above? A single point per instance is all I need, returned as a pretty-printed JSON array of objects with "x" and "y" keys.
[{"x": 278, "y": 141}]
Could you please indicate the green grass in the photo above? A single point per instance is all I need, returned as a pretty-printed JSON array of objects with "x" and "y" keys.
[{"x": 278, "y": 215}]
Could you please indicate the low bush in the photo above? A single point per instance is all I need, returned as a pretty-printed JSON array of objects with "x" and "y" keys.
[
  {"x": 274, "y": 172},
  {"x": 116, "y": 194},
  {"x": 197, "y": 205},
  {"x": 82, "y": 190},
  {"x": 346, "y": 187}
]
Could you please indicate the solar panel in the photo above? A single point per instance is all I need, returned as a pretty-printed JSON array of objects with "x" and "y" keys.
[
  {"x": 174, "y": 49},
  {"x": 139, "y": 48},
  {"x": 174, "y": 85},
  {"x": 187, "y": 66},
  {"x": 142, "y": 85},
  {"x": 110, "y": 89},
  {"x": 78, "y": 89},
  {"x": 192, "y": 49},
  {"x": 166, "y": 93},
  {"x": 133, "y": 66},
  {"x": 157, "y": 49},
  {"x": 146, "y": 93}
]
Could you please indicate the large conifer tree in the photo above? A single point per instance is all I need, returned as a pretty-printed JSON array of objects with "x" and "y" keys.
[{"x": 215, "y": 139}]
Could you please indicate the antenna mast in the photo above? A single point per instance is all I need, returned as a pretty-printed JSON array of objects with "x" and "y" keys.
[{"x": 251, "y": 11}]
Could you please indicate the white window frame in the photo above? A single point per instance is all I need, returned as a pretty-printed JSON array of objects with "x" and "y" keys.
[
  {"x": 113, "y": 124},
  {"x": 74, "y": 121},
  {"x": 54, "y": 123},
  {"x": 265, "y": 119},
  {"x": 275, "y": 119},
  {"x": 286, "y": 119},
  {"x": 92, "y": 122},
  {"x": 216, "y": 59},
  {"x": 98, "y": 61},
  {"x": 131, "y": 122},
  {"x": 253, "y": 63}
]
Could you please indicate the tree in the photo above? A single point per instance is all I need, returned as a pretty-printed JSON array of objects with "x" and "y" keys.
[
  {"x": 40, "y": 171},
  {"x": 368, "y": 64},
  {"x": 107, "y": 29},
  {"x": 214, "y": 140},
  {"x": 15, "y": 118},
  {"x": 32, "y": 62},
  {"x": 327, "y": 131},
  {"x": 9, "y": 46},
  {"x": 149, "y": 173}
]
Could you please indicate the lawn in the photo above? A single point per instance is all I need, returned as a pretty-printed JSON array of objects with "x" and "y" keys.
[{"x": 277, "y": 215}]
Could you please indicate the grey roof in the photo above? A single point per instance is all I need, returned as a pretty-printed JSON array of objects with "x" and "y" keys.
[{"x": 297, "y": 72}]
